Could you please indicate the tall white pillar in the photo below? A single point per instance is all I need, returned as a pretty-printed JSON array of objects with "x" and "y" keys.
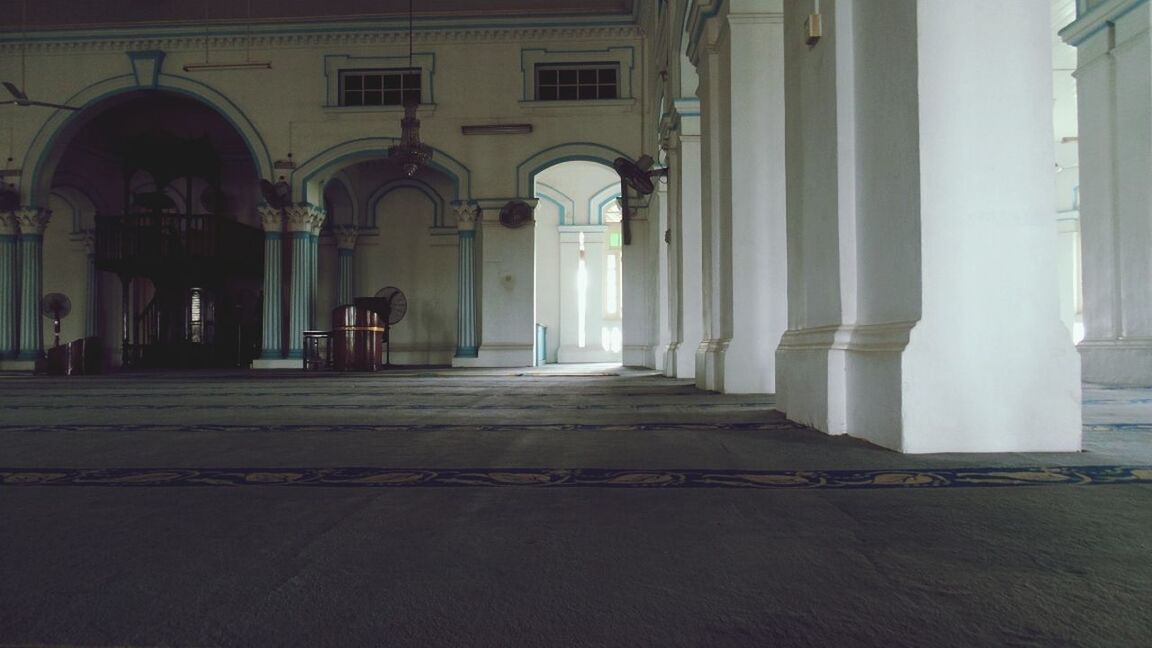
[
  {"x": 272, "y": 344},
  {"x": 923, "y": 305},
  {"x": 32, "y": 222},
  {"x": 1114, "y": 52},
  {"x": 740, "y": 60},
  {"x": 505, "y": 259},
  {"x": 685, "y": 285},
  {"x": 345, "y": 253}
]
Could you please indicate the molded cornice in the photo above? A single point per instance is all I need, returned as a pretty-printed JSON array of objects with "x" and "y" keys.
[
  {"x": 296, "y": 36},
  {"x": 1097, "y": 18}
]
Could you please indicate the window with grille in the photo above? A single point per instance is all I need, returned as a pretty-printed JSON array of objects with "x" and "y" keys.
[
  {"x": 379, "y": 87},
  {"x": 576, "y": 82}
]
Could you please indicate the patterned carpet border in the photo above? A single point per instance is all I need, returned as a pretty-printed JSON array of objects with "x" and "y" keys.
[{"x": 367, "y": 477}]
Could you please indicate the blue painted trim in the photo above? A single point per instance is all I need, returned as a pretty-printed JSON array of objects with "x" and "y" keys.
[
  {"x": 604, "y": 203},
  {"x": 549, "y": 199},
  {"x": 467, "y": 352},
  {"x": 542, "y": 161}
]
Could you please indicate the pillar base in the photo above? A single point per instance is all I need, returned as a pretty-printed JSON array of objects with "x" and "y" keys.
[
  {"x": 278, "y": 363},
  {"x": 1117, "y": 362},
  {"x": 710, "y": 365}
]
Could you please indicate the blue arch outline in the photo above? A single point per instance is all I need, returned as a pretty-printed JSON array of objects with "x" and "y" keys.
[
  {"x": 605, "y": 197},
  {"x": 548, "y": 193},
  {"x": 407, "y": 183},
  {"x": 45, "y": 149},
  {"x": 527, "y": 170},
  {"x": 304, "y": 178}
]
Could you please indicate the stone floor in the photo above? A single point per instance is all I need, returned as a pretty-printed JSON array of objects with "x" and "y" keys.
[{"x": 577, "y": 506}]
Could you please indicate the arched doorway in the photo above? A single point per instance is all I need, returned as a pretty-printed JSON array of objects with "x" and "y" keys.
[
  {"x": 172, "y": 187},
  {"x": 579, "y": 263}
]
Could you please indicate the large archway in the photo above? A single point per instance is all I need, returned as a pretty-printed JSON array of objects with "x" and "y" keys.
[
  {"x": 168, "y": 225},
  {"x": 579, "y": 263}
]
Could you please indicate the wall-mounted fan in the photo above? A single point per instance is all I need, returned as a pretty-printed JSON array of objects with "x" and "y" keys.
[
  {"x": 56, "y": 306},
  {"x": 637, "y": 175},
  {"x": 278, "y": 196},
  {"x": 395, "y": 306},
  {"x": 515, "y": 214}
]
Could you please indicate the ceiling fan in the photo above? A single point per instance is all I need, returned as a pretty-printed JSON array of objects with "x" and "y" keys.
[
  {"x": 18, "y": 96},
  {"x": 21, "y": 99}
]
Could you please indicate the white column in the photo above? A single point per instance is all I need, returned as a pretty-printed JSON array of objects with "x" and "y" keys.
[
  {"x": 32, "y": 221},
  {"x": 640, "y": 264},
  {"x": 345, "y": 253},
  {"x": 467, "y": 215},
  {"x": 686, "y": 287},
  {"x": 741, "y": 64},
  {"x": 937, "y": 327},
  {"x": 1114, "y": 53},
  {"x": 272, "y": 345},
  {"x": 8, "y": 287},
  {"x": 506, "y": 330}
]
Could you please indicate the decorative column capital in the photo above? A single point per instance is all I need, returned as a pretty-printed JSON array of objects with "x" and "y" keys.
[
  {"x": 33, "y": 220},
  {"x": 271, "y": 219},
  {"x": 345, "y": 236},
  {"x": 304, "y": 217},
  {"x": 467, "y": 215},
  {"x": 88, "y": 238}
]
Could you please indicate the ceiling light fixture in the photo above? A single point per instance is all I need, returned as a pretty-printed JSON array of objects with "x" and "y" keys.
[{"x": 411, "y": 153}]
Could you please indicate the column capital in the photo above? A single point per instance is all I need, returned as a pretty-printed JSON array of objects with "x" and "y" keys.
[
  {"x": 304, "y": 217},
  {"x": 345, "y": 236},
  {"x": 33, "y": 220},
  {"x": 467, "y": 215},
  {"x": 88, "y": 238},
  {"x": 270, "y": 218}
]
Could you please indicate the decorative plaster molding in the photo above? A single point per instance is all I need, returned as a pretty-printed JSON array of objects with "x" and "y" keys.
[
  {"x": 172, "y": 40},
  {"x": 890, "y": 336},
  {"x": 304, "y": 217},
  {"x": 1098, "y": 18},
  {"x": 345, "y": 236},
  {"x": 8, "y": 225},
  {"x": 33, "y": 220},
  {"x": 271, "y": 219},
  {"x": 87, "y": 238},
  {"x": 467, "y": 215}
]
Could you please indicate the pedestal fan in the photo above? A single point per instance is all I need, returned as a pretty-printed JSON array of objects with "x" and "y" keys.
[
  {"x": 395, "y": 306},
  {"x": 57, "y": 306}
]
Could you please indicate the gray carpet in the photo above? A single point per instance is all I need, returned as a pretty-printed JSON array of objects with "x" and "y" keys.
[{"x": 261, "y": 561}]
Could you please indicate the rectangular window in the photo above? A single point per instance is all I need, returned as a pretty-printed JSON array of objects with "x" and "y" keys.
[
  {"x": 379, "y": 87},
  {"x": 576, "y": 81}
]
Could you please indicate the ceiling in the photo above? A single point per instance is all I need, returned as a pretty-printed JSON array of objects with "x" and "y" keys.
[{"x": 86, "y": 14}]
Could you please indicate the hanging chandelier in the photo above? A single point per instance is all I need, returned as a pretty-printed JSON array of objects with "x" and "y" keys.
[{"x": 411, "y": 153}]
